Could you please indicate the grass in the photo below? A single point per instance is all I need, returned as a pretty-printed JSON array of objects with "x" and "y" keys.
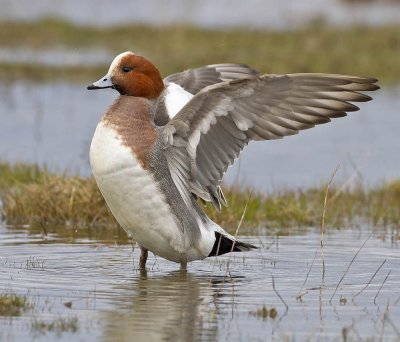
[
  {"x": 37, "y": 197},
  {"x": 364, "y": 51},
  {"x": 58, "y": 326},
  {"x": 12, "y": 304},
  {"x": 265, "y": 313},
  {"x": 68, "y": 206}
]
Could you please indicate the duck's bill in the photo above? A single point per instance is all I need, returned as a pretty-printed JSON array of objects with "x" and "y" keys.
[{"x": 102, "y": 83}]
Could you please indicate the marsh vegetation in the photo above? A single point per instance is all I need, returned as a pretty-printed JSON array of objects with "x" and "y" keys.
[
  {"x": 58, "y": 326},
  {"x": 12, "y": 304},
  {"x": 32, "y": 195},
  {"x": 68, "y": 264},
  {"x": 373, "y": 52}
]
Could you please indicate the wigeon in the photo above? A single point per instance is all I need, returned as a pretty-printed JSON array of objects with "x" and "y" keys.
[{"x": 164, "y": 145}]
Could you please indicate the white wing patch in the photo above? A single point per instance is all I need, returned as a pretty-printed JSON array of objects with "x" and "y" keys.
[{"x": 175, "y": 98}]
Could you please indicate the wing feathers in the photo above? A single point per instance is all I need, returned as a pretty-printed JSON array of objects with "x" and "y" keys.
[
  {"x": 193, "y": 80},
  {"x": 222, "y": 118}
]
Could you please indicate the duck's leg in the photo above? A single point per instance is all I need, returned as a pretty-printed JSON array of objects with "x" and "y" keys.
[
  {"x": 143, "y": 257},
  {"x": 183, "y": 266}
]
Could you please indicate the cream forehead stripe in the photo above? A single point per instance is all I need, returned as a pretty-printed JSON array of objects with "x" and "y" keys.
[{"x": 117, "y": 60}]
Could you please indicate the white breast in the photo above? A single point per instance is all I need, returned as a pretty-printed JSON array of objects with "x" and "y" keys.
[{"x": 133, "y": 196}]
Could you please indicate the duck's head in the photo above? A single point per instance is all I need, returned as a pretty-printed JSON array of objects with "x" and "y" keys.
[{"x": 132, "y": 75}]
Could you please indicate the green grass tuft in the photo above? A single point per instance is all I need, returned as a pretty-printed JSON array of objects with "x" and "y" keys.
[
  {"x": 40, "y": 198},
  {"x": 12, "y": 304},
  {"x": 34, "y": 196}
]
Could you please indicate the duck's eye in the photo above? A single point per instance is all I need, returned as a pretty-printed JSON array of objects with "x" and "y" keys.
[{"x": 126, "y": 69}]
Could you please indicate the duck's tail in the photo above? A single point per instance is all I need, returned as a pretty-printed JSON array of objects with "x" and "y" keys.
[{"x": 226, "y": 244}]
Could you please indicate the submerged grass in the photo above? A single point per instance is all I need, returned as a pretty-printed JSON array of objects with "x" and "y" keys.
[
  {"x": 264, "y": 313},
  {"x": 361, "y": 50},
  {"x": 58, "y": 326},
  {"x": 34, "y": 196},
  {"x": 12, "y": 304}
]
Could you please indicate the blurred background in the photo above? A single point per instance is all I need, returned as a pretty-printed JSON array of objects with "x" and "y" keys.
[{"x": 50, "y": 50}]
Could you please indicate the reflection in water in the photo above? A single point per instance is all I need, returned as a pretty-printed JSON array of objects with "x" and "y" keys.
[
  {"x": 177, "y": 306},
  {"x": 172, "y": 307}
]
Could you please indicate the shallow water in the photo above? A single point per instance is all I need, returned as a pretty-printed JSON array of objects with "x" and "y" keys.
[
  {"x": 56, "y": 56},
  {"x": 95, "y": 282},
  {"x": 41, "y": 124}
]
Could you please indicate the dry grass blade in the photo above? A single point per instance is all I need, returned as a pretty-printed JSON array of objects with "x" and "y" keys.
[
  {"x": 369, "y": 282},
  {"x": 348, "y": 267},
  {"x": 323, "y": 220},
  {"x": 396, "y": 302},
  {"x": 394, "y": 326},
  {"x": 233, "y": 245},
  {"x": 236, "y": 233},
  {"x": 299, "y": 294},
  {"x": 277, "y": 293},
  {"x": 380, "y": 288}
]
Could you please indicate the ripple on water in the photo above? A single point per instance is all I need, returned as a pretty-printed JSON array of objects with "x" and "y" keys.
[{"x": 96, "y": 282}]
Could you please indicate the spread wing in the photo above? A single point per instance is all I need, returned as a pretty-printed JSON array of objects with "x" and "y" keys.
[
  {"x": 210, "y": 131},
  {"x": 193, "y": 80}
]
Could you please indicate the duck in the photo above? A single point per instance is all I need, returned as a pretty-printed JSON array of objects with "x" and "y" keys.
[{"x": 160, "y": 151}]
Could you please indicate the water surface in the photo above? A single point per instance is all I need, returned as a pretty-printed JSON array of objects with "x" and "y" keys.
[
  {"x": 53, "y": 124},
  {"x": 96, "y": 282}
]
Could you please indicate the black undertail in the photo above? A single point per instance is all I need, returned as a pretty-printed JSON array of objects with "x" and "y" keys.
[{"x": 224, "y": 244}]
